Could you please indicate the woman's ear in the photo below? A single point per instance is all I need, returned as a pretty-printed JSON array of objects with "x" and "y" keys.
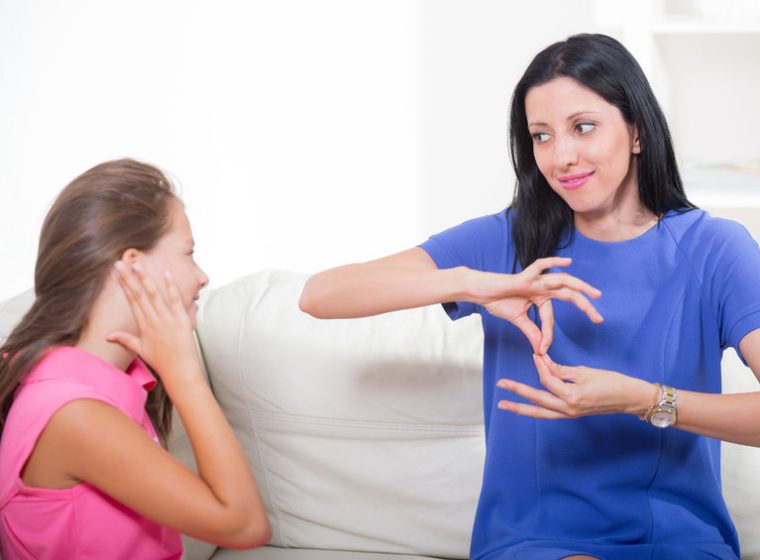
[{"x": 636, "y": 144}]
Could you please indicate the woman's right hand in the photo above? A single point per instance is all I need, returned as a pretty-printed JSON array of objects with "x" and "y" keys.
[{"x": 510, "y": 296}]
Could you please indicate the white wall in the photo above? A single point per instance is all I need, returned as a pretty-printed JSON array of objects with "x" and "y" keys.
[
  {"x": 291, "y": 125},
  {"x": 304, "y": 133}
]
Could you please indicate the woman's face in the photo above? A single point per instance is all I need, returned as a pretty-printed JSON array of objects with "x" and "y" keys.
[
  {"x": 582, "y": 146},
  {"x": 174, "y": 253}
]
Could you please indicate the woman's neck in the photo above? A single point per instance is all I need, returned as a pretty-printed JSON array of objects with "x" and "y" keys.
[
  {"x": 620, "y": 218},
  {"x": 616, "y": 226}
]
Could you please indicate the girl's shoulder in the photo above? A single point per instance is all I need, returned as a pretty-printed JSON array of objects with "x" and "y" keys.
[{"x": 66, "y": 373}]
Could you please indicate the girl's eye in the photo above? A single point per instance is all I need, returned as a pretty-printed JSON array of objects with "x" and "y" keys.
[
  {"x": 540, "y": 137},
  {"x": 585, "y": 127}
]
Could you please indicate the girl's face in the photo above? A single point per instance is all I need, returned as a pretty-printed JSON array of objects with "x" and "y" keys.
[
  {"x": 582, "y": 146},
  {"x": 174, "y": 253}
]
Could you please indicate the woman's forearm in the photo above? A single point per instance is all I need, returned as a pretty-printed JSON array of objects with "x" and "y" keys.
[
  {"x": 728, "y": 417},
  {"x": 361, "y": 290}
]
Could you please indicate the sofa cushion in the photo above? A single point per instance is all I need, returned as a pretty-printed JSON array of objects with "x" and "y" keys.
[
  {"x": 275, "y": 553},
  {"x": 364, "y": 434}
]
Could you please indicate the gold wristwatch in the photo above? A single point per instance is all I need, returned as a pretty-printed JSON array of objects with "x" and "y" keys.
[{"x": 663, "y": 415}]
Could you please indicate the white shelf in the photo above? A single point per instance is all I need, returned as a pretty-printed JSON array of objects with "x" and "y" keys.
[{"x": 692, "y": 26}]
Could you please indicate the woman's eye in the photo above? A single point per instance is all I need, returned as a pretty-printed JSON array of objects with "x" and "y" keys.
[
  {"x": 540, "y": 137},
  {"x": 583, "y": 128}
]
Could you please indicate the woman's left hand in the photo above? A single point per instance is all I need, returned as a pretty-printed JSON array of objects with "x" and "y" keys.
[{"x": 575, "y": 391}]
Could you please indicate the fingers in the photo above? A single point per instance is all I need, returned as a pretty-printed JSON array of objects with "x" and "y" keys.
[
  {"x": 172, "y": 292},
  {"x": 580, "y": 301},
  {"x": 550, "y": 262},
  {"x": 530, "y": 330},
  {"x": 140, "y": 289},
  {"x": 549, "y": 378},
  {"x": 566, "y": 373},
  {"x": 128, "y": 341},
  {"x": 557, "y": 280},
  {"x": 551, "y": 406},
  {"x": 534, "y": 411},
  {"x": 546, "y": 313},
  {"x": 131, "y": 291}
]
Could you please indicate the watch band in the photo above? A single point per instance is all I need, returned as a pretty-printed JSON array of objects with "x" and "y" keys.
[{"x": 664, "y": 415}]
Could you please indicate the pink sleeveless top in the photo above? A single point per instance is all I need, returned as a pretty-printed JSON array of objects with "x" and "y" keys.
[{"x": 78, "y": 522}]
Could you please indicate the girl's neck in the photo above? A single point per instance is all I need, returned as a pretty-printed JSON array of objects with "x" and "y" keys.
[
  {"x": 114, "y": 354},
  {"x": 110, "y": 313}
]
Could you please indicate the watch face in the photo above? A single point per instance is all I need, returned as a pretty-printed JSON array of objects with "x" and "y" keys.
[{"x": 662, "y": 419}]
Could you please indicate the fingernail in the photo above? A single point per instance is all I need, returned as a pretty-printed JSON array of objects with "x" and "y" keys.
[
  {"x": 119, "y": 265},
  {"x": 136, "y": 266},
  {"x": 502, "y": 383},
  {"x": 504, "y": 405}
]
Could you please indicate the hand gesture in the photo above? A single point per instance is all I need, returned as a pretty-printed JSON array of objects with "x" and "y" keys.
[
  {"x": 511, "y": 296},
  {"x": 165, "y": 332},
  {"x": 578, "y": 391}
]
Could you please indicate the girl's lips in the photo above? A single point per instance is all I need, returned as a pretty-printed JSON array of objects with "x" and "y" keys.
[{"x": 571, "y": 182}]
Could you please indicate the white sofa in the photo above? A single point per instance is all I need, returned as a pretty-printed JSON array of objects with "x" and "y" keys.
[{"x": 366, "y": 434}]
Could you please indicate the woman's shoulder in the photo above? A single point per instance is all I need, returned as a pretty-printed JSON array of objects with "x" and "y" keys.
[{"x": 699, "y": 226}]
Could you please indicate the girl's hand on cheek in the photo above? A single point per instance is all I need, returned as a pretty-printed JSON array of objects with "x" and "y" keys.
[{"x": 165, "y": 331}]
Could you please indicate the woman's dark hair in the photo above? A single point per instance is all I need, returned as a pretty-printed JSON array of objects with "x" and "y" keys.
[
  {"x": 115, "y": 206},
  {"x": 603, "y": 65}
]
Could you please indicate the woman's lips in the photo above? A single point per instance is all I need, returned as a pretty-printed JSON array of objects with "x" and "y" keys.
[{"x": 571, "y": 182}]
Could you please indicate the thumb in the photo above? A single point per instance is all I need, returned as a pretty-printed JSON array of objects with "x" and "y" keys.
[
  {"x": 530, "y": 330},
  {"x": 563, "y": 372},
  {"x": 128, "y": 341}
]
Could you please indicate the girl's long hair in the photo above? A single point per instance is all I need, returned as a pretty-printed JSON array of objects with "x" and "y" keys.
[
  {"x": 115, "y": 206},
  {"x": 602, "y": 64}
]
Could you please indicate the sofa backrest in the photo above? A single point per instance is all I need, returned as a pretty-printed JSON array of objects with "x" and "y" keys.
[{"x": 366, "y": 434}]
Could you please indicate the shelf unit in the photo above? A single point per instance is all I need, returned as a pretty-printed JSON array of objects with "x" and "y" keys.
[{"x": 668, "y": 37}]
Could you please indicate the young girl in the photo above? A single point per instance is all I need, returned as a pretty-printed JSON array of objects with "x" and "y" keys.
[
  {"x": 597, "y": 182},
  {"x": 82, "y": 473}
]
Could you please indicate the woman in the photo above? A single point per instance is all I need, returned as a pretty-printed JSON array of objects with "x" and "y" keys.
[
  {"x": 597, "y": 183},
  {"x": 81, "y": 472}
]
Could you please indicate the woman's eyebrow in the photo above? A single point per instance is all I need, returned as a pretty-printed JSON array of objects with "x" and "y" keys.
[{"x": 569, "y": 118}]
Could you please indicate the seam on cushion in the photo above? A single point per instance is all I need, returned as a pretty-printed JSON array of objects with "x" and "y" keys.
[
  {"x": 264, "y": 470},
  {"x": 281, "y": 418}
]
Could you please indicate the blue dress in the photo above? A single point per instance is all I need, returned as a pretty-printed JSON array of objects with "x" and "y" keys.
[{"x": 612, "y": 486}]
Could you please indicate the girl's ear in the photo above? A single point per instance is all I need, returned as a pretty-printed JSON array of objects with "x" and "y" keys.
[{"x": 130, "y": 256}]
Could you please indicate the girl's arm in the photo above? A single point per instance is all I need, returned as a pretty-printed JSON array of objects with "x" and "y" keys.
[
  {"x": 412, "y": 279},
  {"x": 97, "y": 443}
]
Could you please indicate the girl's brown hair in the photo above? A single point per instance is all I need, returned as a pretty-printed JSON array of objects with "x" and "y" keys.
[{"x": 115, "y": 206}]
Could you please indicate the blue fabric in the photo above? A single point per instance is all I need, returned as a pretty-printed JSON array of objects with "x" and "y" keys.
[{"x": 612, "y": 486}]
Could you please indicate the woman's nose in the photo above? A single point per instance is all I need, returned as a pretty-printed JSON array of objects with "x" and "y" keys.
[{"x": 565, "y": 153}]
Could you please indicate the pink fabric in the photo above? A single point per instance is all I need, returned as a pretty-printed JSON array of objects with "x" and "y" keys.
[{"x": 79, "y": 522}]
